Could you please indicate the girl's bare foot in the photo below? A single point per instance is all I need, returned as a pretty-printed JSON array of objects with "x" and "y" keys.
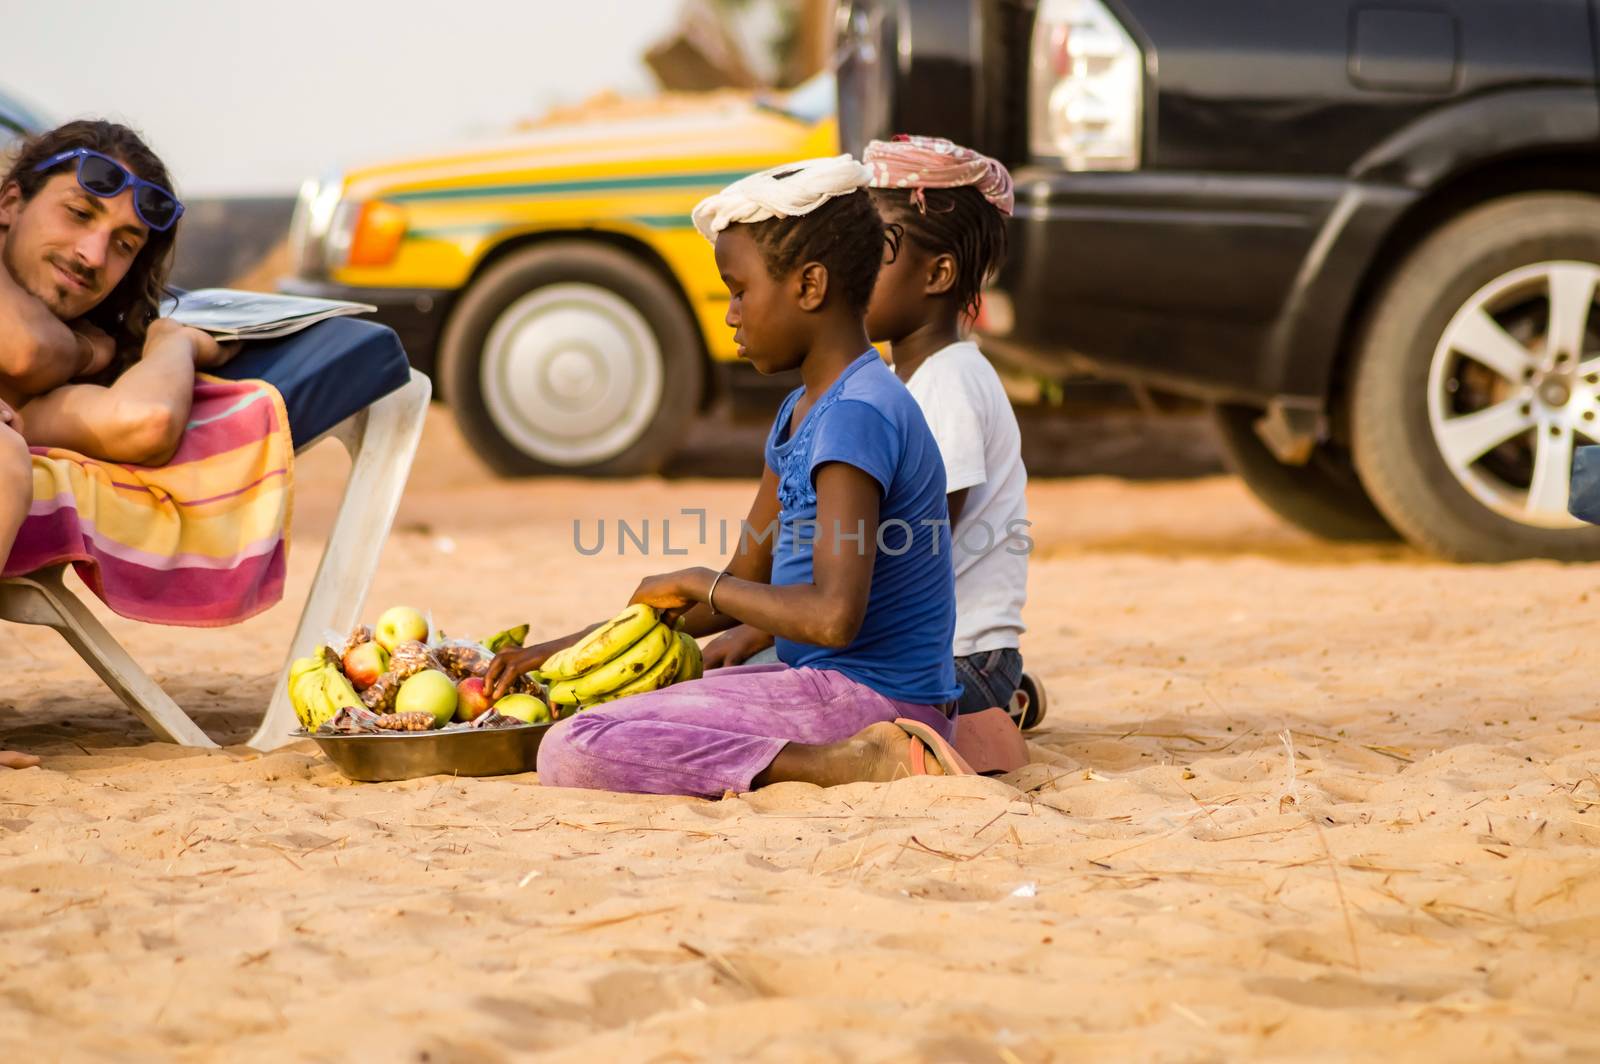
[
  {"x": 879, "y": 753},
  {"x": 12, "y": 759},
  {"x": 888, "y": 754}
]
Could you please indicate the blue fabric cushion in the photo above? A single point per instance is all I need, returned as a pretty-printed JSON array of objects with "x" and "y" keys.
[
  {"x": 326, "y": 373},
  {"x": 1584, "y": 501}
]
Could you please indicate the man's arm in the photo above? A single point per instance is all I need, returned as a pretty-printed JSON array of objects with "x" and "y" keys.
[
  {"x": 139, "y": 419},
  {"x": 37, "y": 349}
]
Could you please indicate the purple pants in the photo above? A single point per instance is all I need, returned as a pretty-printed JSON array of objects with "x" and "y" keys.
[{"x": 716, "y": 734}]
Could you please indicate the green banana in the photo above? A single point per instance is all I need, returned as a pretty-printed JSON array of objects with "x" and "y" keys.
[
  {"x": 621, "y": 670},
  {"x": 693, "y": 663},
  {"x": 603, "y": 644},
  {"x": 511, "y": 637}
]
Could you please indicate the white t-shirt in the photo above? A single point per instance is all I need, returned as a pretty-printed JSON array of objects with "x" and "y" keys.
[{"x": 972, "y": 421}]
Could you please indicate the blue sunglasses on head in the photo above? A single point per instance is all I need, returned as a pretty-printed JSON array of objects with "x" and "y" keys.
[{"x": 103, "y": 176}]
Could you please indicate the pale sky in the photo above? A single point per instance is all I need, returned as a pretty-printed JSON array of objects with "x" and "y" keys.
[{"x": 254, "y": 97}]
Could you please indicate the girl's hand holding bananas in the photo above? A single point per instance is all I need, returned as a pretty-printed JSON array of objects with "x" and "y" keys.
[{"x": 674, "y": 593}]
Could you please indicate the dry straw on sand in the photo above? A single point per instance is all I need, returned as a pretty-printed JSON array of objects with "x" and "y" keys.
[{"x": 1293, "y": 800}]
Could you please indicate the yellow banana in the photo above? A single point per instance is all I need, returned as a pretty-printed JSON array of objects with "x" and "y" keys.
[
  {"x": 664, "y": 673},
  {"x": 309, "y": 699},
  {"x": 603, "y": 644},
  {"x": 659, "y": 653},
  {"x": 302, "y": 666},
  {"x": 560, "y": 693},
  {"x": 693, "y": 663},
  {"x": 338, "y": 689},
  {"x": 619, "y": 671},
  {"x": 304, "y": 691},
  {"x": 318, "y": 689}
]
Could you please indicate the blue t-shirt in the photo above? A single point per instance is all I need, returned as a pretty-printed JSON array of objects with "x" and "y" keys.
[{"x": 868, "y": 419}]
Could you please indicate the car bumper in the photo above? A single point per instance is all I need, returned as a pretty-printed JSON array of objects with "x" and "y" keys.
[
  {"x": 417, "y": 315},
  {"x": 1224, "y": 288}
]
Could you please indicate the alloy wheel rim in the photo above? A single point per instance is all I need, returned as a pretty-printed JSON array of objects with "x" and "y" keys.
[
  {"x": 572, "y": 374},
  {"x": 1515, "y": 384}
]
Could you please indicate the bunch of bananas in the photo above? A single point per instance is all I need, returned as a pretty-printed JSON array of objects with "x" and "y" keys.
[
  {"x": 318, "y": 688},
  {"x": 628, "y": 655}
]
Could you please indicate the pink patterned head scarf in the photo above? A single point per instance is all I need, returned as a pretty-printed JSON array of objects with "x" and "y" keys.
[{"x": 917, "y": 163}]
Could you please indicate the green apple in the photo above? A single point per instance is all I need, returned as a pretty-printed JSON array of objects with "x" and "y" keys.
[
  {"x": 523, "y": 707},
  {"x": 429, "y": 691},
  {"x": 399, "y": 624}
]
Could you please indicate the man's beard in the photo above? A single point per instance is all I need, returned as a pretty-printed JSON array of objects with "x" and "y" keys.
[
  {"x": 51, "y": 292},
  {"x": 53, "y": 295},
  {"x": 64, "y": 296}
]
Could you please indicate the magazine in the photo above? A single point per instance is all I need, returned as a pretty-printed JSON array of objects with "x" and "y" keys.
[{"x": 230, "y": 314}]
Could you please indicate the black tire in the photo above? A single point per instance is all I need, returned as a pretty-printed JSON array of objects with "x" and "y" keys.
[
  {"x": 1396, "y": 454},
  {"x": 502, "y": 436},
  {"x": 1322, "y": 497}
]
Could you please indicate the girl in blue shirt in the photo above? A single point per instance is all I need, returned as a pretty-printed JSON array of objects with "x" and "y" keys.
[{"x": 854, "y": 579}]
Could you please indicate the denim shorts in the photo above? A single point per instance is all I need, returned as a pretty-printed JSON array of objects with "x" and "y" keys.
[
  {"x": 988, "y": 678},
  {"x": 969, "y": 672}
]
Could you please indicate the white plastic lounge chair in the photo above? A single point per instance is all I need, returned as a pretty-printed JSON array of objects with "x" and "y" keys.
[{"x": 382, "y": 438}]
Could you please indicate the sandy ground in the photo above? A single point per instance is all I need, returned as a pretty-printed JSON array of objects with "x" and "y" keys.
[{"x": 1293, "y": 802}]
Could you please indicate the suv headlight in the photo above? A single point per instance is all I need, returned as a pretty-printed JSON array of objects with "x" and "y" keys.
[{"x": 1085, "y": 87}]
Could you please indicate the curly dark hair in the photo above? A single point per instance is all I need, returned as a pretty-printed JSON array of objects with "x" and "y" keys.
[
  {"x": 845, "y": 234},
  {"x": 957, "y": 222},
  {"x": 127, "y": 311}
]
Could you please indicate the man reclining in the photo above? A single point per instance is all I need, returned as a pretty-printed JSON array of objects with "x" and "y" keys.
[{"x": 87, "y": 226}]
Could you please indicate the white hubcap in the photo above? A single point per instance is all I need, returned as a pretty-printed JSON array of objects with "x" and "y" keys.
[
  {"x": 571, "y": 374},
  {"x": 1515, "y": 381}
]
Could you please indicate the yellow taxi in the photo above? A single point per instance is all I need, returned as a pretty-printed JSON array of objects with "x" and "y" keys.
[{"x": 551, "y": 282}]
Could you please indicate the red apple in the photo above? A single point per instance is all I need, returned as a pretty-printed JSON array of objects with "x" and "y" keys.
[
  {"x": 399, "y": 624},
  {"x": 471, "y": 699},
  {"x": 364, "y": 663}
]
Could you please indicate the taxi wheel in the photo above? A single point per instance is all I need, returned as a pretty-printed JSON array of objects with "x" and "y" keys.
[{"x": 572, "y": 358}]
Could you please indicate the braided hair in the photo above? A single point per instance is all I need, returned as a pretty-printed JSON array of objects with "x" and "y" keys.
[
  {"x": 845, "y": 234},
  {"x": 957, "y": 222}
]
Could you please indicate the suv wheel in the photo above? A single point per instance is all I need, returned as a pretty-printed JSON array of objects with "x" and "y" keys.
[
  {"x": 1323, "y": 497},
  {"x": 572, "y": 358},
  {"x": 1478, "y": 375}
]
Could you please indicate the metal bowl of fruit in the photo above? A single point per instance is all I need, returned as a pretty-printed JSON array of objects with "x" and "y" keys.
[{"x": 385, "y": 756}]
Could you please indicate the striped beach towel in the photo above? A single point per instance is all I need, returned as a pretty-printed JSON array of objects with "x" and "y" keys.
[{"x": 201, "y": 541}]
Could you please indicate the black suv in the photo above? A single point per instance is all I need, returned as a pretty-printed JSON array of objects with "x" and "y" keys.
[{"x": 1366, "y": 232}]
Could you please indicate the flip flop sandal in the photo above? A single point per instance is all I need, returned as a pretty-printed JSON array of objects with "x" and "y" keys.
[
  {"x": 1028, "y": 703},
  {"x": 925, "y": 741}
]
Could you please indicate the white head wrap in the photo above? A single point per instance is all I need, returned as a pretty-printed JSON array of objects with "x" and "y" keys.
[{"x": 803, "y": 187}]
